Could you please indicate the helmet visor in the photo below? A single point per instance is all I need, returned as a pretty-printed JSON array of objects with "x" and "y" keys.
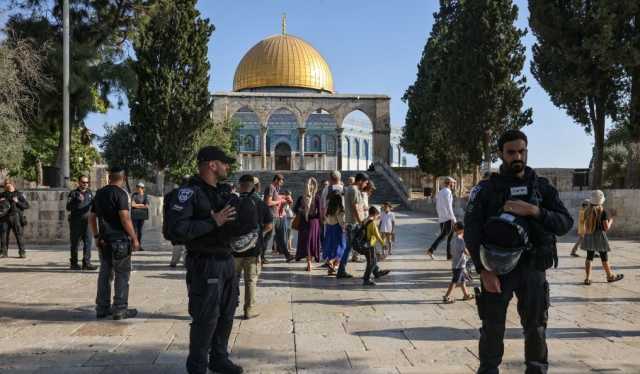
[{"x": 499, "y": 260}]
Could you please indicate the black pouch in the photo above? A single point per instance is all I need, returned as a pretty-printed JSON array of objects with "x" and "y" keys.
[
  {"x": 23, "y": 220},
  {"x": 120, "y": 249}
]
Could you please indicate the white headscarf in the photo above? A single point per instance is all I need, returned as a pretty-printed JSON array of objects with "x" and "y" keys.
[{"x": 310, "y": 190}]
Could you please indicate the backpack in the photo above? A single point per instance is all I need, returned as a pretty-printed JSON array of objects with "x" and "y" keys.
[
  {"x": 244, "y": 231},
  {"x": 359, "y": 242},
  {"x": 169, "y": 215}
]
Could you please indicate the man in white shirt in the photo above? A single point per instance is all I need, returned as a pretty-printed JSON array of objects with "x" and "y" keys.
[{"x": 446, "y": 217}]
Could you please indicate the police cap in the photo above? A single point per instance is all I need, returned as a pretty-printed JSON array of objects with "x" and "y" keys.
[{"x": 213, "y": 153}]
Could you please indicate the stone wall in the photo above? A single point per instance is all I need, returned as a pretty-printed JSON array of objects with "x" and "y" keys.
[
  {"x": 47, "y": 216},
  {"x": 623, "y": 205}
]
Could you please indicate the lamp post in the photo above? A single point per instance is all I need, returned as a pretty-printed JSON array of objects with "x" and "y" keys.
[{"x": 65, "y": 93}]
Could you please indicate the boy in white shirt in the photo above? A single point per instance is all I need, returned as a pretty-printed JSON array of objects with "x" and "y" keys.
[
  {"x": 459, "y": 256},
  {"x": 387, "y": 227}
]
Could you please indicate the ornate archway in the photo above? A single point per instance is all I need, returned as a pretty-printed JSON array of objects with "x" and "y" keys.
[{"x": 283, "y": 156}]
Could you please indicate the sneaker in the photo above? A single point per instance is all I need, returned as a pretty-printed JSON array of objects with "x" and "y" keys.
[
  {"x": 75, "y": 267},
  {"x": 344, "y": 275},
  {"x": 172, "y": 265},
  {"x": 22, "y": 255},
  {"x": 124, "y": 314},
  {"x": 225, "y": 366},
  {"x": 89, "y": 267},
  {"x": 368, "y": 282},
  {"x": 265, "y": 261},
  {"x": 381, "y": 273}
]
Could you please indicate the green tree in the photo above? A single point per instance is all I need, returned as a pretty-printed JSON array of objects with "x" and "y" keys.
[
  {"x": 425, "y": 130},
  {"x": 484, "y": 91},
  {"x": 172, "y": 103},
  {"x": 119, "y": 148},
  {"x": 574, "y": 60},
  {"x": 20, "y": 75},
  {"x": 99, "y": 31}
]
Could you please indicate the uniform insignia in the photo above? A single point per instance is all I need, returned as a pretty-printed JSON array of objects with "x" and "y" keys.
[
  {"x": 474, "y": 192},
  {"x": 184, "y": 194},
  {"x": 519, "y": 191}
]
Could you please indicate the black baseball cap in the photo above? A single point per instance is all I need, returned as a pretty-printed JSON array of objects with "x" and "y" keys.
[{"x": 213, "y": 153}]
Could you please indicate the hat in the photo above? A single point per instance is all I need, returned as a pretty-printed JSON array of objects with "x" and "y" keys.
[
  {"x": 213, "y": 153},
  {"x": 140, "y": 184},
  {"x": 597, "y": 197}
]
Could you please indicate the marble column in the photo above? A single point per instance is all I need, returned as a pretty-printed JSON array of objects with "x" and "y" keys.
[
  {"x": 301, "y": 133},
  {"x": 339, "y": 131},
  {"x": 263, "y": 147}
]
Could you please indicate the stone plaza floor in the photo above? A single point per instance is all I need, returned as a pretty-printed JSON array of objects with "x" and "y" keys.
[{"x": 311, "y": 323}]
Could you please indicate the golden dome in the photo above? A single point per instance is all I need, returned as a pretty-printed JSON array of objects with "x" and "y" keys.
[{"x": 283, "y": 61}]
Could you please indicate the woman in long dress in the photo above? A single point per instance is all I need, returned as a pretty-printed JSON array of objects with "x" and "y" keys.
[{"x": 308, "y": 207}]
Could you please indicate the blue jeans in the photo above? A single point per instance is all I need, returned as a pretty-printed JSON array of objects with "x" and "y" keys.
[{"x": 347, "y": 249}]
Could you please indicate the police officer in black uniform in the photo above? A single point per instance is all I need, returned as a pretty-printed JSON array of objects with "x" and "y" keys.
[
  {"x": 199, "y": 214},
  {"x": 78, "y": 205},
  {"x": 115, "y": 237},
  {"x": 14, "y": 220},
  {"x": 514, "y": 195}
]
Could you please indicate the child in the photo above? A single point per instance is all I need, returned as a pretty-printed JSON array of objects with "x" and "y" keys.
[
  {"x": 288, "y": 216},
  {"x": 387, "y": 227},
  {"x": 373, "y": 237},
  {"x": 334, "y": 239},
  {"x": 459, "y": 255}
]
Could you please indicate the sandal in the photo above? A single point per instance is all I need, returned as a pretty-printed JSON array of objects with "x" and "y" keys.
[
  {"x": 587, "y": 282},
  {"x": 615, "y": 278},
  {"x": 468, "y": 297},
  {"x": 447, "y": 300}
]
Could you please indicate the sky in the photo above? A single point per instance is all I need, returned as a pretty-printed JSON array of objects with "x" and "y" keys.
[{"x": 374, "y": 47}]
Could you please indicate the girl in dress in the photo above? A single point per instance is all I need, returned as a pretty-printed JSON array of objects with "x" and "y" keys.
[
  {"x": 334, "y": 239},
  {"x": 596, "y": 225}
]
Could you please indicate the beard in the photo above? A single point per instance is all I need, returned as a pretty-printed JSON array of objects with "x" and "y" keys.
[{"x": 514, "y": 167}]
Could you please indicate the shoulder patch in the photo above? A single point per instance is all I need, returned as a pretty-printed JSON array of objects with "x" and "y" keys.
[
  {"x": 184, "y": 194},
  {"x": 474, "y": 192}
]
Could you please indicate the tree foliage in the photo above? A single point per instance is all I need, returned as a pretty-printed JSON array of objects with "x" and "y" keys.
[
  {"x": 20, "y": 76},
  {"x": 171, "y": 105},
  {"x": 99, "y": 31},
  {"x": 574, "y": 60},
  {"x": 469, "y": 85},
  {"x": 119, "y": 148}
]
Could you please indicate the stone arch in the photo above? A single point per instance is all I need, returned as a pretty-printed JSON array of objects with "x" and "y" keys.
[
  {"x": 249, "y": 143},
  {"x": 279, "y": 108},
  {"x": 246, "y": 115}
]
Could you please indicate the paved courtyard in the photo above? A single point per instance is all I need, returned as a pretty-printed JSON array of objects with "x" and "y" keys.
[{"x": 310, "y": 323}]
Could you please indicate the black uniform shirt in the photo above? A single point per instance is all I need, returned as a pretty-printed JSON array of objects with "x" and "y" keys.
[
  {"x": 265, "y": 217},
  {"x": 488, "y": 198},
  {"x": 79, "y": 209},
  {"x": 16, "y": 207},
  {"x": 108, "y": 202},
  {"x": 194, "y": 224}
]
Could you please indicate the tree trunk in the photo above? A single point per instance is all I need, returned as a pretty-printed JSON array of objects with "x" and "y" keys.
[
  {"x": 598, "y": 134},
  {"x": 476, "y": 175},
  {"x": 160, "y": 182},
  {"x": 39, "y": 174},
  {"x": 486, "y": 149},
  {"x": 632, "y": 179}
]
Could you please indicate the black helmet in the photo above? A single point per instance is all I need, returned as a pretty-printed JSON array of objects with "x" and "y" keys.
[{"x": 505, "y": 239}]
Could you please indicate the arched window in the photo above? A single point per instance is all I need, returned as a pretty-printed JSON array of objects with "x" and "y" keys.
[
  {"x": 331, "y": 144},
  {"x": 249, "y": 143},
  {"x": 316, "y": 144}
]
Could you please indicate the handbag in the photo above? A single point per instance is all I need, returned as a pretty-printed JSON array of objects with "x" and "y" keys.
[
  {"x": 297, "y": 222},
  {"x": 140, "y": 214}
]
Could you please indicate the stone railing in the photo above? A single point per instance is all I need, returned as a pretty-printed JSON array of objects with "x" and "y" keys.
[
  {"x": 623, "y": 206},
  {"x": 47, "y": 216},
  {"x": 394, "y": 180}
]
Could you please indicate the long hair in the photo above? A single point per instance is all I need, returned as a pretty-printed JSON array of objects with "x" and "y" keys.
[
  {"x": 335, "y": 205},
  {"x": 310, "y": 190},
  {"x": 592, "y": 215}
]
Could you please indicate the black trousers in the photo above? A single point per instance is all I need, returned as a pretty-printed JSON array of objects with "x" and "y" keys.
[
  {"x": 7, "y": 226},
  {"x": 372, "y": 263},
  {"x": 213, "y": 289},
  {"x": 532, "y": 290},
  {"x": 115, "y": 264},
  {"x": 446, "y": 229},
  {"x": 79, "y": 230}
]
